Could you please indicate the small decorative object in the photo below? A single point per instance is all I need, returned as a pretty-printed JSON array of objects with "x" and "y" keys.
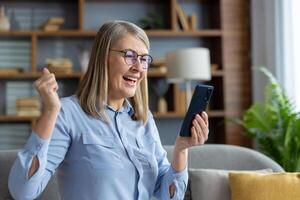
[
  {"x": 4, "y": 21},
  {"x": 84, "y": 58},
  {"x": 214, "y": 67},
  {"x": 193, "y": 22},
  {"x": 152, "y": 21},
  {"x": 160, "y": 86},
  {"x": 53, "y": 24}
]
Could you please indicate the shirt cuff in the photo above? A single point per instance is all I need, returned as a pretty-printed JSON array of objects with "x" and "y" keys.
[
  {"x": 180, "y": 180},
  {"x": 36, "y": 145},
  {"x": 182, "y": 175}
]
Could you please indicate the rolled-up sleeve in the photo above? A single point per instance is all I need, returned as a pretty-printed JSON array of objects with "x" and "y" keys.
[
  {"x": 47, "y": 151},
  {"x": 179, "y": 179},
  {"x": 166, "y": 174}
]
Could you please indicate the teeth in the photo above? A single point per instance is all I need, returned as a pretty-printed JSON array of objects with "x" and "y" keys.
[{"x": 131, "y": 78}]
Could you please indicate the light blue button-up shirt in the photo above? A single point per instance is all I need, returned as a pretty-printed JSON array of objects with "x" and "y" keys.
[{"x": 123, "y": 159}]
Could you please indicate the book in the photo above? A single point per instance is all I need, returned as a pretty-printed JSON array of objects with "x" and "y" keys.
[
  {"x": 59, "y": 62},
  {"x": 53, "y": 24},
  {"x": 182, "y": 18},
  {"x": 31, "y": 113},
  {"x": 57, "y": 70},
  {"x": 28, "y": 102},
  {"x": 55, "y": 20},
  {"x": 193, "y": 22},
  {"x": 51, "y": 27}
]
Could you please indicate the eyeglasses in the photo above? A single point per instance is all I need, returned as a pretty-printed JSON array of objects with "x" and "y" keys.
[{"x": 131, "y": 58}]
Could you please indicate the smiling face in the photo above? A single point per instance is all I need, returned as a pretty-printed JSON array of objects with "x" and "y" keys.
[{"x": 123, "y": 79}]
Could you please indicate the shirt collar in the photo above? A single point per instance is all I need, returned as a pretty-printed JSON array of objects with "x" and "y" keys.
[{"x": 126, "y": 108}]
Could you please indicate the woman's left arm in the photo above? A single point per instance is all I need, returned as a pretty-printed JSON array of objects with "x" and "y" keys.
[
  {"x": 172, "y": 178},
  {"x": 199, "y": 132}
]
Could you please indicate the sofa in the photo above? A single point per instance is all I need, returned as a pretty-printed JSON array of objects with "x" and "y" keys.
[{"x": 208, "y": 156}]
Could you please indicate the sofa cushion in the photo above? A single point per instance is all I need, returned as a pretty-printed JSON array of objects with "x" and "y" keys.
[
  {"x": 211, "y": 184},
  {"x": 275, "y": 186},
  {"x": 7, "y": 157},
  {"x": 6, "y": 160}
]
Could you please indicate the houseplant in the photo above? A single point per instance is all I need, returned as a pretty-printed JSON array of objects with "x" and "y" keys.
[
  {"x": 275, "y": 125},
  {"x": 152, "y": 21}
]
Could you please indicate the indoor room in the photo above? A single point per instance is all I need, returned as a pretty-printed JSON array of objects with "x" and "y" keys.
[{"x": 170, "y": 99}]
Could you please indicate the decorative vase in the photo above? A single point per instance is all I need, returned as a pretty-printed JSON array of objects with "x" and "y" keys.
[
  {"x": 4, "y": 21},
  {"x": 84, "y": 58},
  {"x": 162, "y": 105}
]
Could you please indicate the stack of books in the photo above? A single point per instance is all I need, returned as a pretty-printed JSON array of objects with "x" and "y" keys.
[
  {"x": 15, "y": 90},
  {"x": 59, "y": 65},
  {"x": 13, "y": 137},
  {"x": 53, "y": 24},
  {"x": 28, "y": 106}
]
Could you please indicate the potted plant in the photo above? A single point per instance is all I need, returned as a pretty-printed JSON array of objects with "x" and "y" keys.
[
  {"x": 152, "y": 20},
  {"x": 275, "y": 125}
]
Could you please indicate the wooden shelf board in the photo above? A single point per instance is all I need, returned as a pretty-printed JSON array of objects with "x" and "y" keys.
[
  {"x": 216, "y": 113},
  {"x": 156, "y": 74},
  {"x": 168, "y": 115},
  {"x": 28, "y": 75},
  {"x": 211, "y": 114},
  {"x": 13, "y": 118},
  {"x": 92, "y": 33},
  {"x": 218, "y": 73},
  {"x": 199, "y": 33},
  {"x": 16, "y": 33},
  {"x": 66, "y": 33}
]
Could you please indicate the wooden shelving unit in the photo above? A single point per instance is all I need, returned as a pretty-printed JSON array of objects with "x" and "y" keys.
[
  {"x": 82, "y": 33},
  {"x": 10, "y": 118},
  {"x": 214, "y": 114},
  {"x": 35, "y": 75},
  {"x": 226, "y": 35}
]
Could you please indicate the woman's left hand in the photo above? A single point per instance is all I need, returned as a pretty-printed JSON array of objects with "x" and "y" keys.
[{"x": 199, "y": 133}]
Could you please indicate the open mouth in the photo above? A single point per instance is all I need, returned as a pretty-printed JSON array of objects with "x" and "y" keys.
[{"x": 130, "y": 80}]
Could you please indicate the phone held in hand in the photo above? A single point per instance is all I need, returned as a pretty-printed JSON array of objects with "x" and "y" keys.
[{"x": 199, "y": 102}]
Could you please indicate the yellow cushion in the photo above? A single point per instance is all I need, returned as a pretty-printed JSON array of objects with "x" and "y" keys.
[{"x": 256, "y": 186}]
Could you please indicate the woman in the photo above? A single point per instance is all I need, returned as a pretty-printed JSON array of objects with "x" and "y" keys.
[{"x": 103, "y": 140}]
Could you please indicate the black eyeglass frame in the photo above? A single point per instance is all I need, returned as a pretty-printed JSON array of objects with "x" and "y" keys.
[{"x": 136, "y": 55}]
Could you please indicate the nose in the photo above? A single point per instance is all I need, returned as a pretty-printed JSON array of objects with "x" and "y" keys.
[{"x": 138, "y": 65}]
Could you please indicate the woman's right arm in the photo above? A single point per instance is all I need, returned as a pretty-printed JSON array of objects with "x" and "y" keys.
[
  {"x": 47, "y": 88},
  {"x": 29, "y": 174}
]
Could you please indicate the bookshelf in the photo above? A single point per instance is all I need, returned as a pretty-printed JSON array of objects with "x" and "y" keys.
[{"x": 223, "y": 27}]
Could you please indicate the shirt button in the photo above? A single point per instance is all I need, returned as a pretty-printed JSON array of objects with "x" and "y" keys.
[{"x": 38, "y": 146}]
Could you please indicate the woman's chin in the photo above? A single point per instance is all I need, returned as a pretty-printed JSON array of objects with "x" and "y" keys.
[{"x": 129, "y": 93}]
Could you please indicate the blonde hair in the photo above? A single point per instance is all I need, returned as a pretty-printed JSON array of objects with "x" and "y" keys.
[{"x": 93, "y": 88}]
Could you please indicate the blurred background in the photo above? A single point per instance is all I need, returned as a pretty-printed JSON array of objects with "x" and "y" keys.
[{"x": 238, "y": 34}]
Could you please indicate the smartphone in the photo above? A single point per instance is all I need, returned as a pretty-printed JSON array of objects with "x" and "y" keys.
[{"x": 199, "y": 102}]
